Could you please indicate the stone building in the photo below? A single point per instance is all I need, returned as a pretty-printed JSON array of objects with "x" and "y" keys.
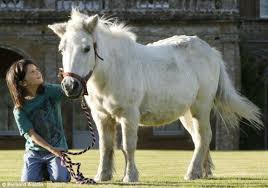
[
  {"x": 24, "y": 34},
  {"x": 254, "y": 60}
]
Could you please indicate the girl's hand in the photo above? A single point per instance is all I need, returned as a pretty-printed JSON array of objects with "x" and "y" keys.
[
  {"x": 60, "y": 74},
  {"x": 41, "y": 142},
  {"x": 56, "y": 152}
]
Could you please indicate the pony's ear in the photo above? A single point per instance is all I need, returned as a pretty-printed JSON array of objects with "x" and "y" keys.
[
  {"x": 58, "y": 28},
  {"x": 91, "y": 22}
]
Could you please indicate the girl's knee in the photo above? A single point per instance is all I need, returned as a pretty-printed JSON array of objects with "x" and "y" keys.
[
  {"x": 58, "y": 172},
  {"x": 31, "y": 178},
  {"x": 61, "y": 179}
]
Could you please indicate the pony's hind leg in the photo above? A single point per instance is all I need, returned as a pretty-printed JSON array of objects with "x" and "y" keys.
[
  {"x": 129, "y": 124},
  {"x": 201, "y": 135},
  {"x": 187, "y": 122},
  {"x": 107, "y": 132}
]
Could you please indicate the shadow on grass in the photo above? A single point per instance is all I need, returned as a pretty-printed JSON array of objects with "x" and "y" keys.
[
  {"x": 235, "y": 178},
  {"x": 209, "y": 182}
]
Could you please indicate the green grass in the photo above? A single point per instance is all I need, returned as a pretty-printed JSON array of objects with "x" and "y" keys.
[{"x": 160, "y": 169}]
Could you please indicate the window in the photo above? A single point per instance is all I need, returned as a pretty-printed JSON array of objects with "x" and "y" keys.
[
  {"x": 7, "y": 122},
  {"x": 152, "y": 4},
  {"x": 264, "y": 8},
  {"x": 11, "y": 4},
  {"x": 81, "y": 134},
  {"x": 172, "y": 129},
  {"x": 81, "y": 5}
]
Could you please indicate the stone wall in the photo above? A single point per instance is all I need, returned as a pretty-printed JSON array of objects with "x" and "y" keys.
[
  {"x": 254, "y": 55},
  {"x": 27, "y": 33}
]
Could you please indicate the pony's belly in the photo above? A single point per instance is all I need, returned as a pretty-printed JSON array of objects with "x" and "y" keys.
[{"x": 150, "y": 118}]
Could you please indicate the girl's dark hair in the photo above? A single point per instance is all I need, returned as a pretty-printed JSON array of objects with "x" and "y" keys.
[{"x": 14, "y": 76}]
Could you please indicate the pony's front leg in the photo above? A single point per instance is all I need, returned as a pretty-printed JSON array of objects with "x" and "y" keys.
[
  {"x": 129, "y": 124},
  {"x": 107, "y": 132},
  {"x": 208, "y": 165}
]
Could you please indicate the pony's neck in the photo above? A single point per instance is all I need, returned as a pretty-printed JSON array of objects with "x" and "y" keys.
[{"x": 116, "y": 52}]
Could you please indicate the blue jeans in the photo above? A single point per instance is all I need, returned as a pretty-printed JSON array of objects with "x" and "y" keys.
[{"x": 34, "y": 163}]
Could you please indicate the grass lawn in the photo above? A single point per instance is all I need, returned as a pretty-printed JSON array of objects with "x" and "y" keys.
[{"x": 159, "y": 168}]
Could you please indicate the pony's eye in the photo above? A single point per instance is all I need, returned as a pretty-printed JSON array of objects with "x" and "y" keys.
[{"x": 86, "y": 49}]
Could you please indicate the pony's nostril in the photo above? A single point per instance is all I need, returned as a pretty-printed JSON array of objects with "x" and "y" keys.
[
  {"x": 71, "y": 87},
  {"x": 75, "y": 85},
  {"x": 66, "y": 85}
]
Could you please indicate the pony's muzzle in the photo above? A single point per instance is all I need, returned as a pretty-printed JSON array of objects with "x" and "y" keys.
[{"x": 71, "y": 87}]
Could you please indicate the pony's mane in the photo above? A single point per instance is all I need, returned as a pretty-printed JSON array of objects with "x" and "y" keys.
[{"x": 106, "y": 25}]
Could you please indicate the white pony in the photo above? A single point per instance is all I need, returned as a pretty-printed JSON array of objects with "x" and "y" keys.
[{"x": 181, "y": 77}]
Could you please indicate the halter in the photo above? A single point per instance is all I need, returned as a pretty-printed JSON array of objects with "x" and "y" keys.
[{"x": 85, "y": 79}]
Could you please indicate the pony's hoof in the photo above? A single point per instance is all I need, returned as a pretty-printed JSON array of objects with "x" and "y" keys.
[
  {"x": 134, "y": 177},
  {"x": 102, "y": 177},
  {"x": 192, "y": 176},
  {"x": 127, "y": 179},
  {"x": 208, "y": 174}
]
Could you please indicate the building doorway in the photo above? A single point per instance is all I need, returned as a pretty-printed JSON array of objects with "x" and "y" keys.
[{"x": 8, "y": 128}]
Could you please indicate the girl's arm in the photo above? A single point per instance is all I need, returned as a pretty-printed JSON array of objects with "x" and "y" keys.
[{"x": 41, "y": 142}]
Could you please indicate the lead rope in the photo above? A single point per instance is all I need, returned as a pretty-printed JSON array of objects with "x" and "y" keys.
[{"x": 66, "y": 160}]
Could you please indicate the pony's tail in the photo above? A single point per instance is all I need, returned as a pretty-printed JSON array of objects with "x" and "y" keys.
[{"x": 231, "y": 106}]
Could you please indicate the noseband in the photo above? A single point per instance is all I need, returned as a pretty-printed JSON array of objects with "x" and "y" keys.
[{"x": 84, "y": 80}]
